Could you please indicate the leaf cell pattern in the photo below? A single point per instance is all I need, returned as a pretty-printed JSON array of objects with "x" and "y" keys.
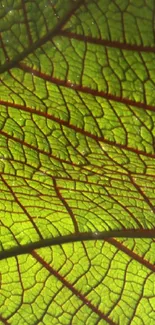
[{"x": 77, "y": 162}]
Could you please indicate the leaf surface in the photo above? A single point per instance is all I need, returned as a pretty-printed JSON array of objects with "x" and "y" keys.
[{"x": 77, "y": 149}]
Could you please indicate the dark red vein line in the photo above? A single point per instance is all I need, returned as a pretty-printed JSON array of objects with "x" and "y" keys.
[
  {"x": 146, "y": 199},
  {"x": 107, "y": 174},
  {"x": 72, "y": 288},
  {"x": 123, "y": 206},
  {"x": 67, "y": 179},
  {"x": 26, "y": 22},
  {"x": 130, "y": 253},
  {"x": 5, "y": 322},
  {"x": 108, "y": 43},
  {"x": 21, "y": 206},
  {"x": 4, "y": 49},
  {"x": 76, "y": 129},
  {"x": 72, "y": 238},
  {"x": 9, "y": 65},
  {"x": 85, "y": 89},
  {"x": 136, "y": 308},
  {"x": 23, "y": 143},
  {"x": 65, "y": 204}
]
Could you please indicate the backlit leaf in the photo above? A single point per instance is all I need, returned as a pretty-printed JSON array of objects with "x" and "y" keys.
[{"x": 77, "y": 162}]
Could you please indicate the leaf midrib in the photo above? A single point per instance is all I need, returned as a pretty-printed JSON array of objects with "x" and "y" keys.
[{"x": 85, "y": 236}]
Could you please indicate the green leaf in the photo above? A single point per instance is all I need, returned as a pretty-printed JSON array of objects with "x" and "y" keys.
[{"x": 77, "y": 162}]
